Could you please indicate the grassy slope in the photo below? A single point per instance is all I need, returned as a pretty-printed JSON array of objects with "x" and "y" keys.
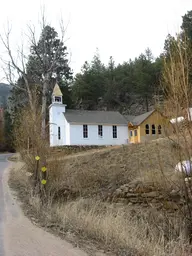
[
  {"x": 99, "y": 172},
  {"x": 125, "y": 230}
]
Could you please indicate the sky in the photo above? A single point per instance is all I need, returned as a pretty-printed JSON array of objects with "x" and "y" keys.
[{"x": 119, "y": 28}]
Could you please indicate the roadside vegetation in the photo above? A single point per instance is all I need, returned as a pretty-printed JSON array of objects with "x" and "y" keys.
[
  {"x": 127, "y": 200},
  {"x": 79, "y": 202}
]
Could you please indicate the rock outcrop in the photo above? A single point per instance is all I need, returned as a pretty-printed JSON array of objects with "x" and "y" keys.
[{"x": 147, "y": 194}]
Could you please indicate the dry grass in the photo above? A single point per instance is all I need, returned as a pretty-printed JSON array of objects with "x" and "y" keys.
[
  {"x": 61, "y": 151},
  {"x": 132, "y": 231},
  {"x": 92, "y": 174},
  {"x": 126, "y": 230},
  {"x": 85, "y": 180}
]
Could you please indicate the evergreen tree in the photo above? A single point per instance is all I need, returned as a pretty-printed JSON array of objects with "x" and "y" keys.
[
  {"x": 89, "y": 85},
  {"x": 47, "y": 63},
  {"x": 187, "y": 24},
  {"x": 8, "y": 132},
  {"x": 114, "y": 87}
]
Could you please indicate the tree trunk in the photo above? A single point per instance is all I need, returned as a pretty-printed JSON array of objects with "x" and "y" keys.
[
  {"x": 44, "y": 106},
  {"x": 29, "y": 93},
  {"x": 43, "y": 132}
]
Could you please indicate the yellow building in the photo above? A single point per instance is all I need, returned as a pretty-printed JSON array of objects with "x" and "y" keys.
[{"x": 148, "y": 126}]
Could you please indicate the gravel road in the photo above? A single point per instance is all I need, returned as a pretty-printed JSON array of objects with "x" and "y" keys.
[{"x": 18, "y": 236}]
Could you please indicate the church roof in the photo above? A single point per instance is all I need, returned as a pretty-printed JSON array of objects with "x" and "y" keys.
[
  {"x": 95, "y": 117},
  {"x": 57, "y": 91},
  {"x": 129, "y": 118},
  {"x": 137, "y": 120}
]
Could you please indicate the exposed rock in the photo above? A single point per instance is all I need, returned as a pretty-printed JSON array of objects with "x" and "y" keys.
[
  {"x": 134, "y": 184},
  {"x": 151, "y": 194},
  {"x": 118, "y": 192},
  {"x": 142, "y": 189},
  {"x": 161, "y": 197},
  {"x": 168, "y": 205},
  {"x": 125, "y": 186},
  {"x": 135, "y": 200},
  {"x": 154, "y": 200},
  {"x": 126, "y": 190},
  {"x": 144, "y": 205},
  {"x": 131, "y": 195},
  {"x": 122, "y": 201},
  {"x": 158, "y": 206},
  {"x": 174, "y": 192},
  {"x": 147, "y": 194}
]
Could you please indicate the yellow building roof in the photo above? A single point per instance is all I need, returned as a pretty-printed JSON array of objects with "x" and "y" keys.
[{"x": 57, "y": 91}]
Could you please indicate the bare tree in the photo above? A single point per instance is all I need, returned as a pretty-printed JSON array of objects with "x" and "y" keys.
[
  {"x": 48, "y": 62},
  {"x": 11, "y": 65},
  {"x": 45, "y": 62},
  {"x": 178, "y": 98}
]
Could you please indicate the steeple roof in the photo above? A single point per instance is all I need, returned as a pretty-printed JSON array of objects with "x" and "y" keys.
[{"x": 57, "y": 91}]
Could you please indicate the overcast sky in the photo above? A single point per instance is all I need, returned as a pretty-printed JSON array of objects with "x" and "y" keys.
[{"x": 121, "y": 28}]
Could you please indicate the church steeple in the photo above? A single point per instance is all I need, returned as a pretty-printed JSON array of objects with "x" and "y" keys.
[{"x": 57, "y": 95}]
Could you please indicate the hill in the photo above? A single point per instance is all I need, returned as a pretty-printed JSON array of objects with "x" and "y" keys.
[
  {"x": 4, "y": 94},
  {"x": 95, "y": 171},
  {"x": 123, "y": 198}
]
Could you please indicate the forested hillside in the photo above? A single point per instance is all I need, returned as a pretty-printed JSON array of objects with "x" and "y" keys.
[
  {"x": 132, "y": 87},
  {"x": 4, "y": 94},
  {"x": 129, "y": 87}
]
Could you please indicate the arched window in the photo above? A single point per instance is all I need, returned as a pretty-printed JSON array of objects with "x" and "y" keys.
[
  {"x": 159, "y": 129},
  {"x": 146, "y": 129},
  {"x": 153, "y": 129}
]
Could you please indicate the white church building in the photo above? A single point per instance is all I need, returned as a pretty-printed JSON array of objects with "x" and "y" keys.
[{"x": 84, "y": 127}]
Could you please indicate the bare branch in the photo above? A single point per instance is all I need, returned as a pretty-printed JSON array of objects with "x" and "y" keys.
[
  {"x": 43, "y": 21},
  {"x": 6, "y": 44},
  {"x": 12, "y": 64},
  {"x": 9, "y": 77},
  {"x": 34, "y": 42},
  {"x": 22, "y": 58}
]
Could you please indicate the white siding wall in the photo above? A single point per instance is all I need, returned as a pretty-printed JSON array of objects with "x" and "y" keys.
[
  {"x": 67, "y": 125},
  {"x": 76, "y": 135},
  {"x": 72, "y": 134},
  {"x": 56, "y": 119}
]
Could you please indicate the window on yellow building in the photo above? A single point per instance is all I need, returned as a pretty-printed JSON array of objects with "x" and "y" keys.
[
  {"x": 135, "y": 132},
  {"x": 153, "y": 129},
  {"x": 146, "y": 129},
  {"x": 159, "y": 129},
  {"x": 131, "y": 133}
]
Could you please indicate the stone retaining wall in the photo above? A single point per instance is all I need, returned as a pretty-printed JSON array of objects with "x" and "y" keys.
[{"x": 147, "y": 194}]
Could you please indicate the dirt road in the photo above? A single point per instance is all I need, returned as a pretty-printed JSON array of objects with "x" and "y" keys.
[{"x": 18, "y": 236}]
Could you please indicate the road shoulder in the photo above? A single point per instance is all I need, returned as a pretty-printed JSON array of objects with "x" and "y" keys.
[{"x": 21, "y": 237}]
